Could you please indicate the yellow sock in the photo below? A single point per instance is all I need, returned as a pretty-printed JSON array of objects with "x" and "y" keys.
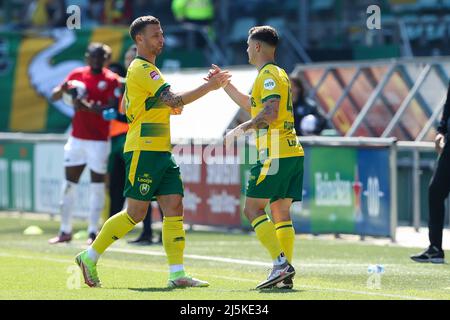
[
  {"x": 173, "y": 236},
  {"x": 286, "y": 236},
  {"x": 114, "y": 228},
  {"x": 105, "y": 213},
  {"x": 265, "y": 231}
]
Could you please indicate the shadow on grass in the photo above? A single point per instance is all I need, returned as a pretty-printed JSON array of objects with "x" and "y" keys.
[
  {"x": 275, "y": 290},
  {"x": 153, "y": 289},
  {"x": 265, "y": 291}
]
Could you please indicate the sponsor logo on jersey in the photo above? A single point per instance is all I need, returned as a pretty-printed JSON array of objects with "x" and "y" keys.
[
  {"x": 154, "y": 75},
  {"x": 269, "y": 84}
]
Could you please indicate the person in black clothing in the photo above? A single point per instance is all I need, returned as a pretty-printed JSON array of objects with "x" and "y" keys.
[
  {"x": 303, "y": 108},
  {"x": 438, "y": 192}
]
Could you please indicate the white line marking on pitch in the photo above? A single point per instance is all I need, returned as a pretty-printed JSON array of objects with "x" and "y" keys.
[
  {"x": 194, "y": 256},
  {"x": 357, "y": 292},
  {"x": 232, "y": 260}
]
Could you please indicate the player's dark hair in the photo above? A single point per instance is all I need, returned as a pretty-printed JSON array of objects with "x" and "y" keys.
[
  {"x": 97, "y": 46},
  {"x": 139, "y": 24},
  {"x": 266, "y": 34}
]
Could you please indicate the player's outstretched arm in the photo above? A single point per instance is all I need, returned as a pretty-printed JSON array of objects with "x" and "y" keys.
[
  {"x": 177, "y": 100},
  {"x": 241, "y": 99}
]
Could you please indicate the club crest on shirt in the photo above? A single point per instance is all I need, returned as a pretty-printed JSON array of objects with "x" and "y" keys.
[
  {"x": 102, "y": 85},
  {"x": 154, "y": 75}
]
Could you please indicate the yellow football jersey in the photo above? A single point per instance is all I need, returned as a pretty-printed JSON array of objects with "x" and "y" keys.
[
  {"x": 148, "y": 117},
  {"x": 279, "y": 139}
]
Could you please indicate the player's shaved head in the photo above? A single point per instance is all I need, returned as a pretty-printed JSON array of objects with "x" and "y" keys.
[
  {"x": 266, "y": 34},
  {"x": 138, "y": 25}
]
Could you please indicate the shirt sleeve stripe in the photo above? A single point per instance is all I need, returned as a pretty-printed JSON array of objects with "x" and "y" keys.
[
  {"x": 270, "y": 97},
  {"x": 151, "y": 101}
]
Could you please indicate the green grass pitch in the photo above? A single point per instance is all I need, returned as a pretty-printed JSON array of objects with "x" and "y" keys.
[{"x": 233, "y": 263}]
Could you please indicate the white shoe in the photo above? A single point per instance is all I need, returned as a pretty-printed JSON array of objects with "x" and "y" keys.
[
  {"x": 184, "y": 282},
  {"x": 277, "y": 274}
]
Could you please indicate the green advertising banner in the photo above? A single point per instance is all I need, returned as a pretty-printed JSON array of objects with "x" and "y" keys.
[
  {"x": 331, "y": 181},
  {"x": 345, "y": 189},
  {"x": 16, "y": 176},
  {"x": 332, "y": 190}
]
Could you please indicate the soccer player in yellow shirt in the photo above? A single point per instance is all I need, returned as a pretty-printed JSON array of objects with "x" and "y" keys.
[
  {"x": 277, "y": 176},
  {"x": 150, "y": 167}
]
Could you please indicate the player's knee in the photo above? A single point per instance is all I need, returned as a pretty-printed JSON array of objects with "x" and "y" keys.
[
  {"x": 282, "y": 216},
  {"x": 68, "y": 187},
  {"x": 136, "y": 214},
  {"x": 251, "y": 213},
  {"x": 73, "y": 174},
  {"x": 97, "y": 177},
  {"x": 179, "y": 208},
  {"x": 174, "y": 209}
]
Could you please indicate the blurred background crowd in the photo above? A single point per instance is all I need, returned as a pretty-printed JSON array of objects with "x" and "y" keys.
[{"x": 313, "y": 30}]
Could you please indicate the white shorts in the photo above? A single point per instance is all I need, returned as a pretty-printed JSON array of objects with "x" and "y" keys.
[{"x": 92, "y": 153}]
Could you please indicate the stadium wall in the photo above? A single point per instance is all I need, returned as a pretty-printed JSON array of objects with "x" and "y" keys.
[{"x": 349, "y": 184}]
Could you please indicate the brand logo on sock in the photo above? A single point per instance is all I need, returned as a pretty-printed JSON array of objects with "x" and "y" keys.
[
  {"x": 115, "y": 238},
  {"x": 178, "y": 239}
]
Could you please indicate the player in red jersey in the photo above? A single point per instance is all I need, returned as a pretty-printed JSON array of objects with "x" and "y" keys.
[{"x": 88, "y": 143}]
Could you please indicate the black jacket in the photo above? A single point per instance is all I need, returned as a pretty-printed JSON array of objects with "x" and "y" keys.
[{"x": 444, "y": 123}]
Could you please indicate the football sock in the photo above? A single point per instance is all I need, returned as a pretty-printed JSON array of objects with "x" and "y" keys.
[
  {"x": 114, "y": 228},
  {"x": 280, "y": 260},
  {"x": 67, "y": 200},
  {"x": 265, "y": 232},
  {"x": 96, "y": 204},
  {"x": 173, "y": 236},
  {"x": 286, "y": 236},
  {"x": 92, "y": 254},
  {"x": 176, "y": 268}
]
